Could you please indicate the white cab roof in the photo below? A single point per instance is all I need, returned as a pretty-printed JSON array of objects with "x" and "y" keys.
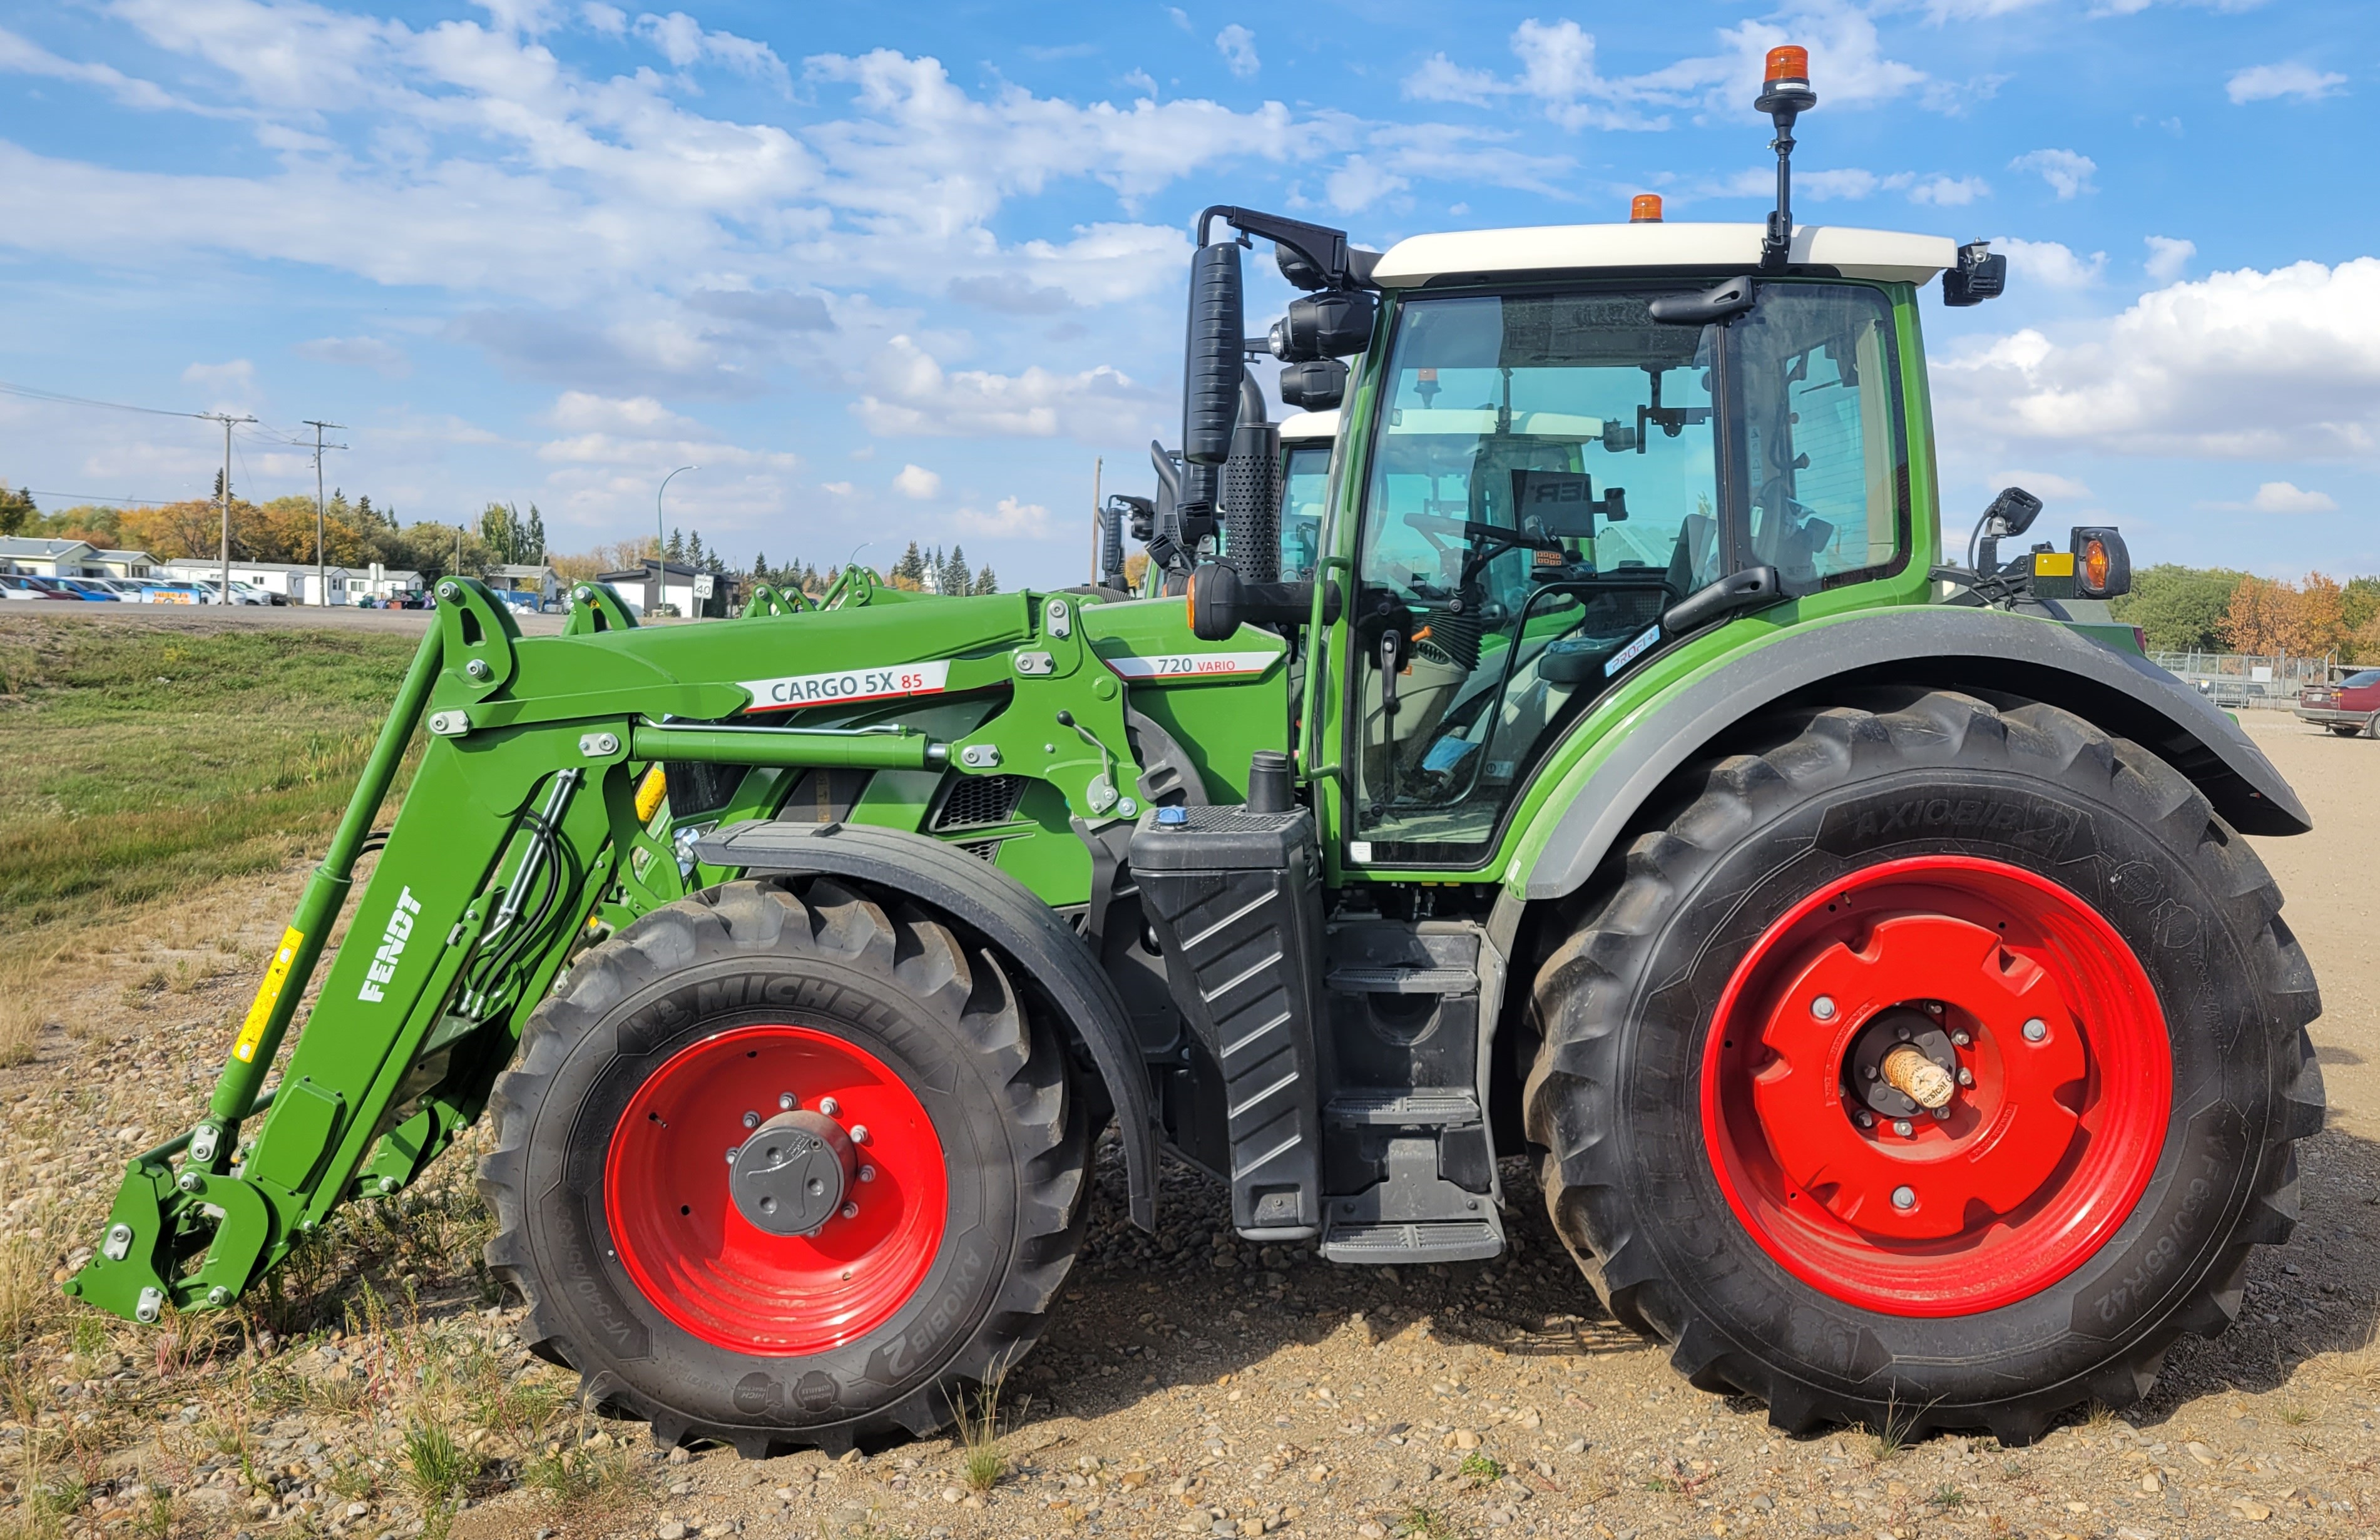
[
  {"x": 1305, "y": 427},
  {"x": 1888, "y": 255}
]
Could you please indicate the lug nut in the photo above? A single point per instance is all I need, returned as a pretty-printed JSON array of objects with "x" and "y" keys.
[
  {"x": 787, "y": 1102},
  {"x": 1959, "y": 1037},
  {"x": 1903, "y": 1127},
  {"x": 2035, "y": 1030},
  {"x": 1869, "y": 1072},
  {"x": 830, "y": 1107},
  {"x": 1933, "y": 1007},
  {"x": 1966, "y": 1075},
  {"x": 1904, "y": 1198},
  {"x": 1941, "y": 1114},
  {"x": 867, "y": 1173},
  {"x": 1901, "y": 1033},
  {"x": 851, "y": 1210},
  {"x": 751, "y": 1120},
  {"x": 1823, "y": 1008},
  {"x": 860, "y": 1133},
  {"x": 1864, "y": 1118},
  {"x": 731, "y": 1155}
]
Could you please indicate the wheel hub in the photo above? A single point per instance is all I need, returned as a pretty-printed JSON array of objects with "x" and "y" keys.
[
  {"x": 790, "y": 1177},
  {"x": 825, "y": 1216},
  {"x": 1936, "y": 1086}
]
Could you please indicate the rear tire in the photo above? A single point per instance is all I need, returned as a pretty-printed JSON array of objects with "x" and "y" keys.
[
  {"x": 1648, "y": 1091},
  {"x": 687, "y": 1318}
]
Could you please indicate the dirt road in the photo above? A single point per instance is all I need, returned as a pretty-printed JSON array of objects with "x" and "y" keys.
[{"x": 1191, "y": 1383}]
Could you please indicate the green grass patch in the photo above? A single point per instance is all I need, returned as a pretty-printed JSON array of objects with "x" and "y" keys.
[{"x": 137, "y": 762}]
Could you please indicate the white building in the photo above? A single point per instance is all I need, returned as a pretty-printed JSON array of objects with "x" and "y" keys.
[
  {"x": 677, "y": 585},
  {"x": 541, "y": 581},
  {"x": 382, "y": 582},
  {"x": 294, "y": 581}
]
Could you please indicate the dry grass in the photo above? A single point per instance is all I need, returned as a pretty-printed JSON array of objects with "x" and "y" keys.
[{"x": 24, "y": 1003}]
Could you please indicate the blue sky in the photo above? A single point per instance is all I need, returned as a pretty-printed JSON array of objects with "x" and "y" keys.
[{"x": 893, "y": 272}]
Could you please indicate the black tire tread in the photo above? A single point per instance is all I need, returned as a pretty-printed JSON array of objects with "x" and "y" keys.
[
  {"x": 1579, "y": 1002},
  {"x": 895, "y": 939}
]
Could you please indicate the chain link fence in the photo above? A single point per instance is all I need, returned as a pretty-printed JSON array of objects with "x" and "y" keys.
[{"x": 2240, "y": 680}]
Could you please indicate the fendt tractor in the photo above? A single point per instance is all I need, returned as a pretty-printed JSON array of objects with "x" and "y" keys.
[{"x": 1617, "y": 781}]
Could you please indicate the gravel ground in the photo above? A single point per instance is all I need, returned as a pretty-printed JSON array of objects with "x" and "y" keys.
[{"x": 1190, "y": 1383}]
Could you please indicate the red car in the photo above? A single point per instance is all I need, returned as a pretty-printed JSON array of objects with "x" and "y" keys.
[{"x": 2350, "y": 708}]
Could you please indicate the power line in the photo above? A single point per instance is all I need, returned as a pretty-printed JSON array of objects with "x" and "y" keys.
[
  {"x": 33, "y": 393},
  {"x": 94, "y": 497}
]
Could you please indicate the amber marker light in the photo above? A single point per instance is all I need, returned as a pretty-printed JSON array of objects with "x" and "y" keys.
[
  {"x": 1788, "y": 62},
  {"x": 2095, "y": 565},
  {"x": 1644, "y": 209}
]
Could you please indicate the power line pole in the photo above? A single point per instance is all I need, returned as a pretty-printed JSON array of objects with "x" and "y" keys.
[
  {"x": 226, "y": 420},
  {"x": 322, "y": 582}
]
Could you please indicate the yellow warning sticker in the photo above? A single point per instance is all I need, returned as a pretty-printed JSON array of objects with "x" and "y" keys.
[
  {"x": 251, "y": 1032},
  {"x": 2053, "y": 563}
]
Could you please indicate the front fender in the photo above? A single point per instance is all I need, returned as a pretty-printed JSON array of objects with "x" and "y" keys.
[{"x": 1983, "y": 650}]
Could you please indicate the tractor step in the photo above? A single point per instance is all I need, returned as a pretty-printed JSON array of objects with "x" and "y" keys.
[
  {"x": 1423, "y": 1108},
  {"x": 1374, "y": 1244}
]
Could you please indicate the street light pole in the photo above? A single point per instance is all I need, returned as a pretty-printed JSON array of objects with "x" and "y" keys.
[{"x": 661, "y": 541}]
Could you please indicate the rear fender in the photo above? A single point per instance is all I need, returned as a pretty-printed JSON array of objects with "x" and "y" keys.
[
  {"x": 1055, "y": 962},
  {"x": 1982, "y": 650}
]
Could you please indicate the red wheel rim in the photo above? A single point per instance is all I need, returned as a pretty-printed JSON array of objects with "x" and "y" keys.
[
  {"x": 715, "y": 1273},
  {"x": 2042, "y": 1154}
]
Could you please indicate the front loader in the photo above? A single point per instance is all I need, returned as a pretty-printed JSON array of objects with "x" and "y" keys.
[{"x": 1621, "y": 777}]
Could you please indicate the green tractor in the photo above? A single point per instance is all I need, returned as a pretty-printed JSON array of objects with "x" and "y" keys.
[{"x": 1867, "y": 960}]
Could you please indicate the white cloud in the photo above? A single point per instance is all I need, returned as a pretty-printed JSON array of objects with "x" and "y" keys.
[
  {"x": 2169, "y": 257},
  {"x": 2051, "y": 262},
  {"x": 20, "y": 56},
  {"x": 2283, "y": 497},
  {"x": 1238, "y": 46},
  {"x": 1557, "y": 72},
  {"x": 2244, "y": 364},
  {"x": 2045, "y": 484},
  {"x": 917, "y": 482},
  {"x": 2266, "y": 82},
  {"x": 2067, "y": 172},
  {"x": 682, "y": 40},
  {"x": 1950, "y": 192},
  {"x": 385, "y": 359},
  {"x": 234, "y": 378},
  {"x": 1360, "y": 183},
  {"x": 1010, "y": 518},
  {"x": 916, "y": 396},
  {"x": 639, "y": 416},
  {"x": 611, "y": 21}
]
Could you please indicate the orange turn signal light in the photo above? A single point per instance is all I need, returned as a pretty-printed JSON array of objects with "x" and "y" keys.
[
  {"x": 1644, "y": 209},
  {"x": 1789, "y": 61},
  {"x": 2095, "y": 565}
]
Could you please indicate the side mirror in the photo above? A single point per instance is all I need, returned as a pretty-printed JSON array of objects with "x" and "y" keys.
[
  {"x": 1314, "y": 386},
  {"x": 2103, "y": 568},
  {"x": 1980, "y": 275},
  {"x": 1212, "y": 364}
]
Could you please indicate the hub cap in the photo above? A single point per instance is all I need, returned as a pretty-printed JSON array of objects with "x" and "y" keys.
[
  {"x": 775, "y": 1190},
  {"x": 1829, "y": 1051}
]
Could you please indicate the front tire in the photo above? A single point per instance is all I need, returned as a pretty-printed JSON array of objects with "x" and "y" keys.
[
  {"x": 946, "y": 1165},
  {"x": 2060, "y": 920}
]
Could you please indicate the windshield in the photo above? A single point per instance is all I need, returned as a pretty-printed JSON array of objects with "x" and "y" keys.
[
  {"x": 1305, "y": 469},
  {"x": 1549, "y": 474}
]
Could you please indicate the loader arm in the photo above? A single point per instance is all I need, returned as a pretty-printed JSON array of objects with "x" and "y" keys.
[{"x": 533, "y": 824}]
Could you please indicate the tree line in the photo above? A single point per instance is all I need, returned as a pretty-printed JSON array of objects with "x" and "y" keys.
[
  {"x": 355, "y": 533},
  {"x": 2216, "y": 609}
]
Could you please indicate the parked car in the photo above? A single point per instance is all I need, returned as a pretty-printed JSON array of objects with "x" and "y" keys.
[
  {"x": 54, "y": 588},
  {"x": 90, "y": 588},
  {"x": 2349, "y": 707},
  {"x": 13, "y": 586},
  {"x": 241, "y": 593}
]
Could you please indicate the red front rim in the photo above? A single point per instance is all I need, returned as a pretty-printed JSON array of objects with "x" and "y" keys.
[
  {"x": 2047, "y": 1141},
  {"x": 712, "y": 1271}
]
